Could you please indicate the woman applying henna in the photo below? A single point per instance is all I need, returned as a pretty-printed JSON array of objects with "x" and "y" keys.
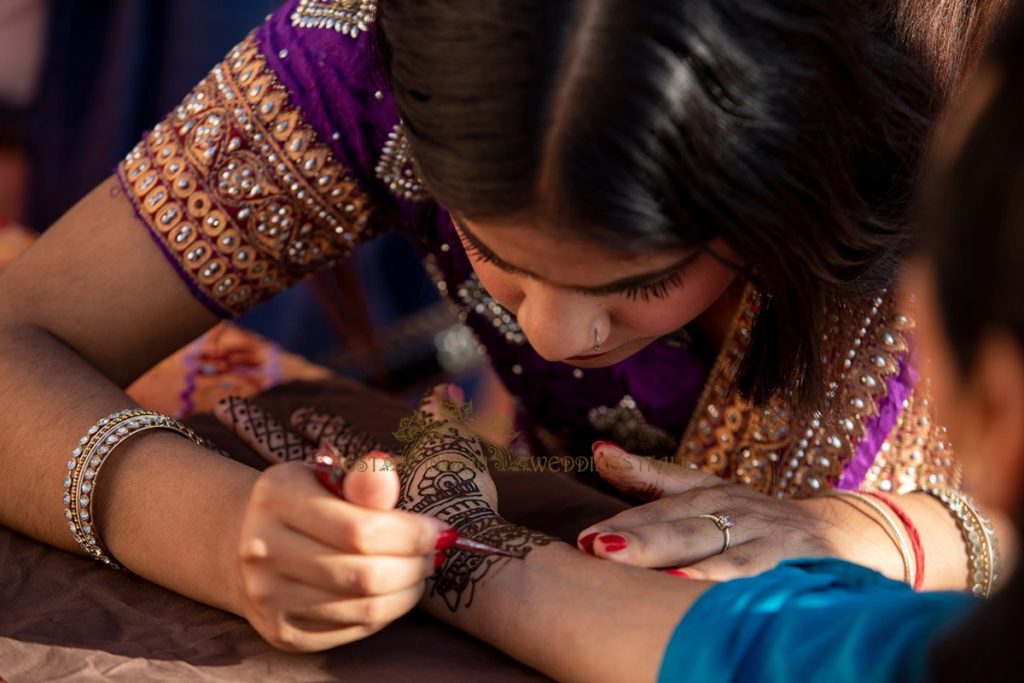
[{"x": 730, "y": 168}]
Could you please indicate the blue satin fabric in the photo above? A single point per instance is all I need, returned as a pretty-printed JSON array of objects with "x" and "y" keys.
[{"x": 811, "y": 620}]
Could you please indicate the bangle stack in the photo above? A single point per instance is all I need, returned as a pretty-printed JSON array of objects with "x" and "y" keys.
[
  {"x": 88, "y": 459},
  {"x": 909, "y": 548},
  {"x": 980, "y": 537}
]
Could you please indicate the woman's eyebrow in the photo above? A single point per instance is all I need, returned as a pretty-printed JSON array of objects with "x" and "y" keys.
[{"x": 612, "y": 287}]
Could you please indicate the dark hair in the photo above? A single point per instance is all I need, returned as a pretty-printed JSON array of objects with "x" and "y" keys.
[
  {"x": 948, "y": 36},
  {"x": 791, "y": 129},
  {"x": 973, "y": 220}
]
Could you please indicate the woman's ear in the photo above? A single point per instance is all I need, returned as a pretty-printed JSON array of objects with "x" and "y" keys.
[{"x": 994, "y": 423}]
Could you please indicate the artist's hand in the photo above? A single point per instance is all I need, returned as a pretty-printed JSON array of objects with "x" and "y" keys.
[
  {"x": 444, "y": 464},
  {"x": 670, "y": 533},
  {"x": 315, "y": 570}
]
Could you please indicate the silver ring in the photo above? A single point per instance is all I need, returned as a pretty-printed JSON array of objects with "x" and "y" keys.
[
  {"x": 724, "y": 523},
  {"x": 597, "y": 340}
]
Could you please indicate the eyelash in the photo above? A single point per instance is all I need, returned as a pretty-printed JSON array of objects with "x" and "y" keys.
[{"x": 656, "y": 290}]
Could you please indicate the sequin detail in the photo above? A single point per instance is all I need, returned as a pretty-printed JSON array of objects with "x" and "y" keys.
[
  {"x": 626, "y": 425},
  {"x": 917, "y": 454},
  {"x": 350, "y": 17},
  {"x": 770, "y": 449},
  {"x": 239, "y": 189},
  {"x": 470, "y": 297},
  {"x": 397, "y": 168}
]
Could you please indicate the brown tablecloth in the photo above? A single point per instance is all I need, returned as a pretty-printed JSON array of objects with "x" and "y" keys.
[{"x": 64, "y": 618}]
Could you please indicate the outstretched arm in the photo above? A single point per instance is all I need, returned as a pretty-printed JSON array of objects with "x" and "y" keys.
[{"x": 558, "y": 610}]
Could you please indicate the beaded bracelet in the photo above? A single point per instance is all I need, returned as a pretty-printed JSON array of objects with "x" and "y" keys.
[
  {"x": 979, "y": 536},
  {"x": 86, "y": 462},
  {"x": 887, "y": 524}
]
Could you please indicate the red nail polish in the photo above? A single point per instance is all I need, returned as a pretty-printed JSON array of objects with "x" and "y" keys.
[
  {"x": 612, "y": 543},
  {"x": 439, "y": 559},
  {"x": 587, "y": 542},
  {"x": 446, "y": 539},
  {"x": 677, "y": 572},
  {"x": 327, "y": 474},
  {"x": 597, "y": 444}
]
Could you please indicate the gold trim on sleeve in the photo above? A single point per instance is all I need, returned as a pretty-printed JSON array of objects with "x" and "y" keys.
[
  {"x": 240, "y": 191},
  {"x": 350, "y": 17}
]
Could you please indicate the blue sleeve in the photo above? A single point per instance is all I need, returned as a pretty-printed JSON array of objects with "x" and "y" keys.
[{"x": 810, "y": 620}]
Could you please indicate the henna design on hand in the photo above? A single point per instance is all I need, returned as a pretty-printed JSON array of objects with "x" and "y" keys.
[
  {"x": 351, "y": 443},
  {"x": 456, "y": 581},
  {"x": 444, "y": 474},
  {"x": 263, "y": 432}
]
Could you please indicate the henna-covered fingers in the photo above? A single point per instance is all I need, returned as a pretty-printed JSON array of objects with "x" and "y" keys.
[
  {"x": 260, "y": 431},
  {"x": 351, "y": 442}
]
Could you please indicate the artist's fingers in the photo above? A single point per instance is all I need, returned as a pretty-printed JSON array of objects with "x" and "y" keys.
[
  {"x": 289, "y": 495},
  {"x": 262, "y": 432},
  {"x": 644, "y": 477},
  {"x": 665, "y": 544},
  {"x": 746, "y": 559},
  {"x": 672, "y": 508},
  {"x": 309, "y": 562},
  {"x": 316, "y": 426},
  {"x": 369, "y": 611}
]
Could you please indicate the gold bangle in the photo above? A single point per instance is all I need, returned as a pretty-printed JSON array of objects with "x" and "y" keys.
[
  {"x": 88, "y": 458},
  {"x": 979, "y": 536},
  {"x": 888, "y": 525}
]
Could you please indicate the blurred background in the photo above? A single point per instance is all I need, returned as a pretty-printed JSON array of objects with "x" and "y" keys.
[{"x": 80, "y": 80}]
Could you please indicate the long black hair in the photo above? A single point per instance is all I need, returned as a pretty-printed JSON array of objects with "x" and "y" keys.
[{"x": 791, "y": 129}]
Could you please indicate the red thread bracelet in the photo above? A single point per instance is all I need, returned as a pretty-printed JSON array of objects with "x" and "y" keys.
[{"x": 915, "y": 537}]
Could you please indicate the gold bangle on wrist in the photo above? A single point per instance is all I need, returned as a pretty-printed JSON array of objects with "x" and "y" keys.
[
  {"x": 979, "y": 537},
  {"x": 891, "y": 528},
  {"x": 88, "y": 458}
]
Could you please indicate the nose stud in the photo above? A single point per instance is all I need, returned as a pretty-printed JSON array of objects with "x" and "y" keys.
[{"x": 597, "y": 341}]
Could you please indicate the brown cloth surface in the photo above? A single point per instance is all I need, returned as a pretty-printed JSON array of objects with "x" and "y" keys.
[{"x": 65, "y": 618}]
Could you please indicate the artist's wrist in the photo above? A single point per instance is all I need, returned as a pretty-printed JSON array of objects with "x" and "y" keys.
[{"x": 854, "y": 535}]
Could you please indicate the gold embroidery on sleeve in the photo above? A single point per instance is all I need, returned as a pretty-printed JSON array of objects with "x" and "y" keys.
[
  {"x": 240, "y": 190},
  {"x": 350, "y": 17}
]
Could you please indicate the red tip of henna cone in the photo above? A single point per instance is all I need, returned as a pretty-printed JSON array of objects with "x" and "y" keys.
[{"x": 446, "y": 539}]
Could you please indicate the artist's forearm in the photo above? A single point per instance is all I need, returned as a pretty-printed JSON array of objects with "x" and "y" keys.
[
  {"x": 166, "y": 508},
  {"x": 574, "y": 617}
]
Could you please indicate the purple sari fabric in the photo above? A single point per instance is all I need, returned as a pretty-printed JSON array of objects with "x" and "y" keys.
[{"x": 336, "y": 82}]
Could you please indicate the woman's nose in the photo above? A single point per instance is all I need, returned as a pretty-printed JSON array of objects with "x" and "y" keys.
[{"x": 558, "y": 324}]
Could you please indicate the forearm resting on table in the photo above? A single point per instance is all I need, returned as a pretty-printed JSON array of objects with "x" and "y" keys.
[
  {"x": 167, "y": 509},
  {"x": 571, "y": 616}
]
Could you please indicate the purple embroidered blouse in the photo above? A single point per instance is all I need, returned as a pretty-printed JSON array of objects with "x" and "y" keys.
[{"x": 291, "y": 152}]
